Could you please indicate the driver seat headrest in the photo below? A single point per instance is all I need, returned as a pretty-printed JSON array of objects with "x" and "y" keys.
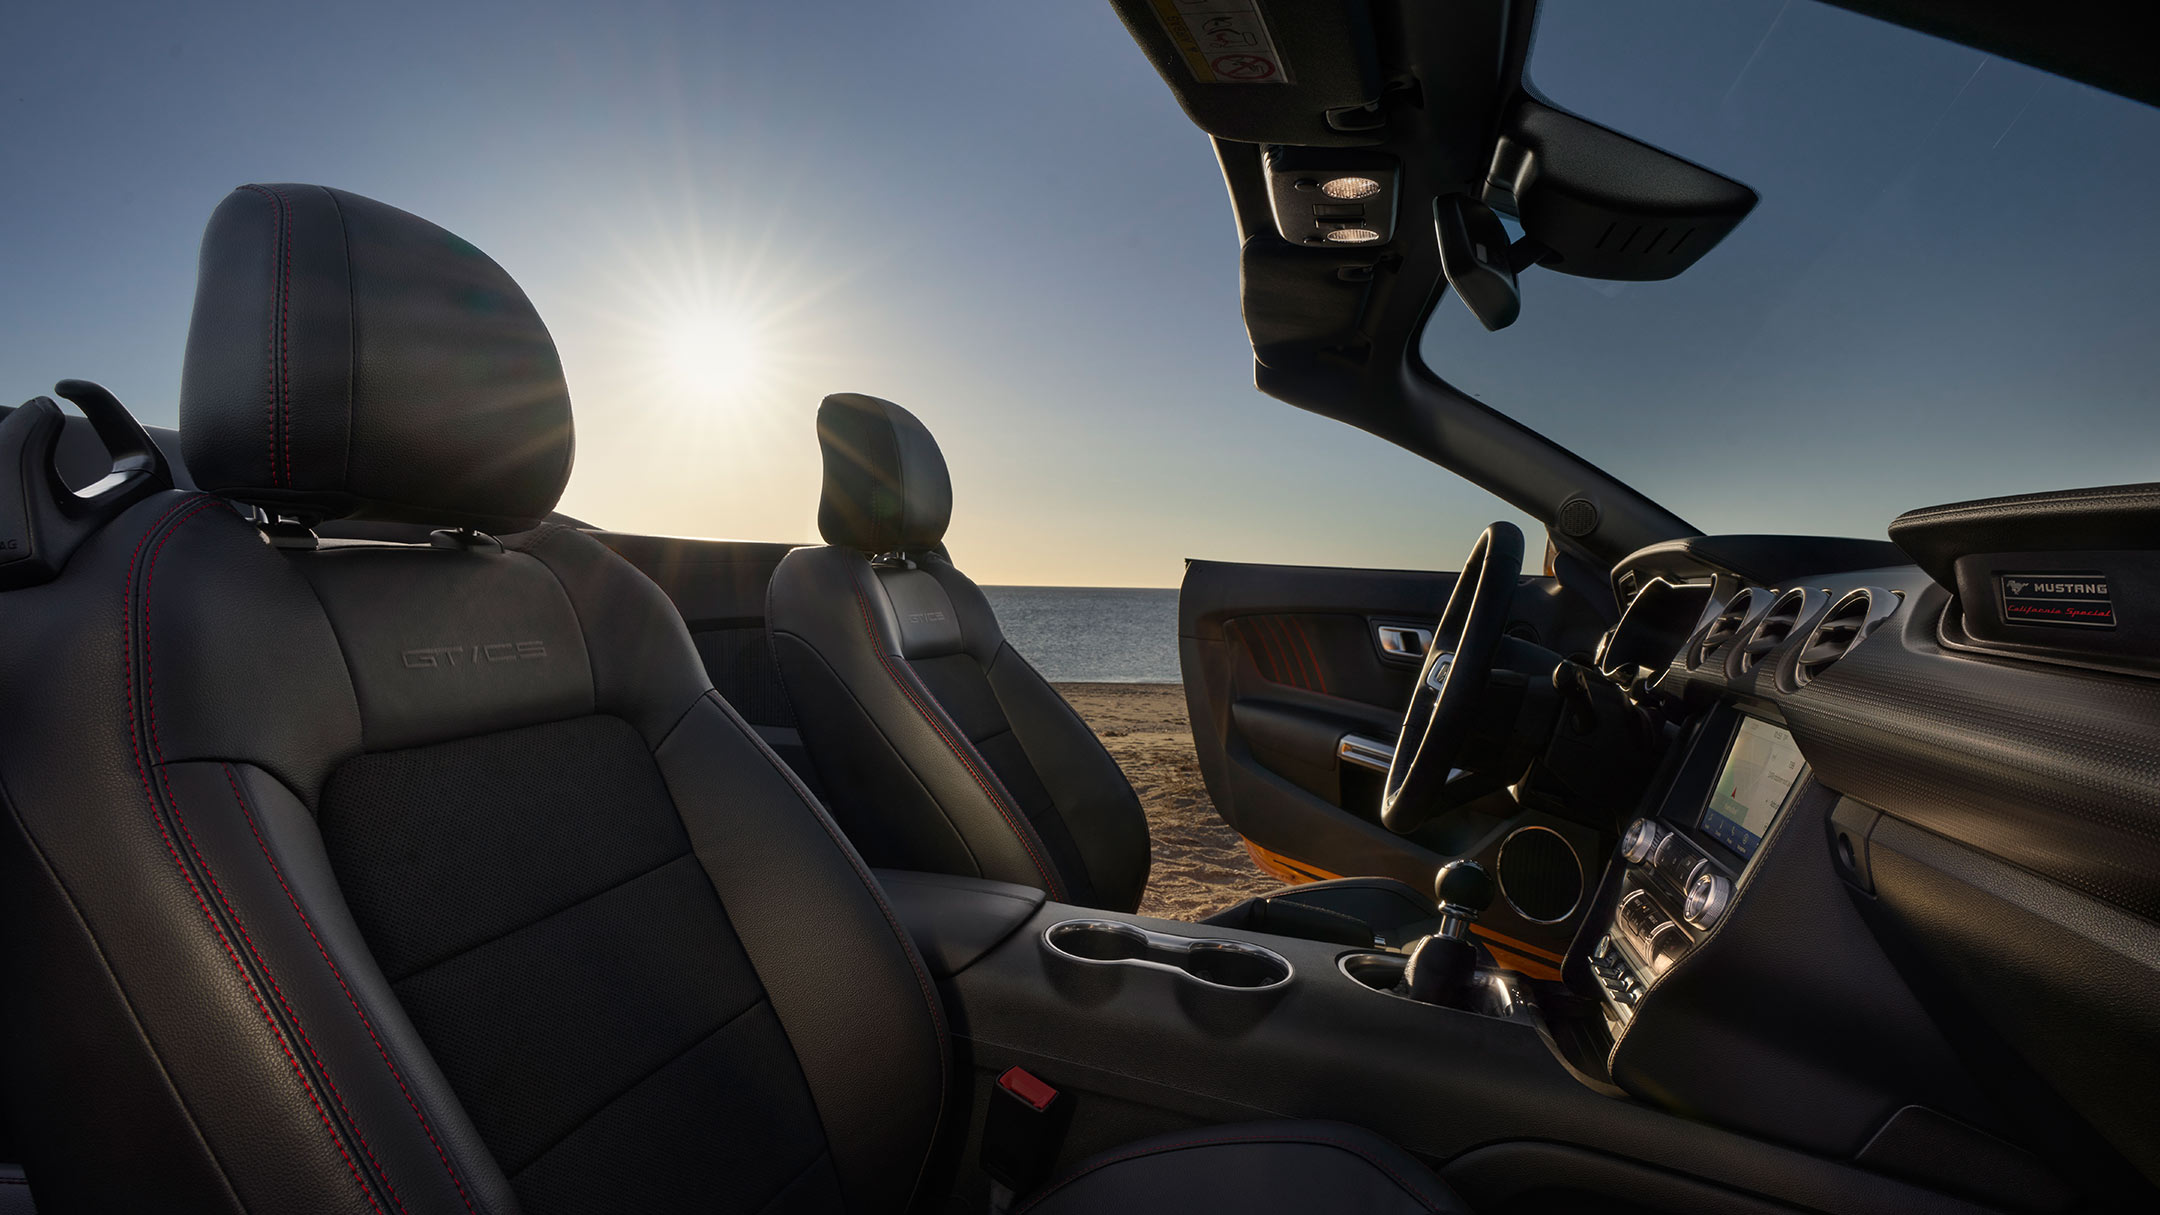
[
  {"x": 886, "y": 488},
  {"x": 350, "y": 360}
]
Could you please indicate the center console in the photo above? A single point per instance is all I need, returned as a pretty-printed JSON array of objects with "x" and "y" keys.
[
  {"x": 1156, "y": 1026},
  {"x": 1683, "y": 866}
]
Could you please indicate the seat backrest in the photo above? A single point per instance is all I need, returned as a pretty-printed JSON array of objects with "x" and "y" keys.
[
  {"x": 380, "y": 877},
  {"x": 939, "y": 747}
]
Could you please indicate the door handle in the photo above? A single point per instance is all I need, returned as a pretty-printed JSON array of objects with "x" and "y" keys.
[
  {"x": 1402, "y": 640},
  {"x": 1365, "y": 752}
]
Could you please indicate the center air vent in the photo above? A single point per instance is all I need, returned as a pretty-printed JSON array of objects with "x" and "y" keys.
[
  {"x": 1845, "y": 625},
  {"x": 1777, "y": 624},
  {"x": 1725, "y": 627}
]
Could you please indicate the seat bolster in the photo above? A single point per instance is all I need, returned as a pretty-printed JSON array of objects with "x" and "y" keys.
[
  {"x": 645, "y": 668},
  {"x": 174, "y": 1022},
  {"x": 100, "y": 1121},
  {"x": 268, "y": 853},
  {"x": 836, "y": 637},
  {"x": 1255, "y": 1167},
  {"x": 863, "y": 1016},
  {"x": 1092, "y": 795}
]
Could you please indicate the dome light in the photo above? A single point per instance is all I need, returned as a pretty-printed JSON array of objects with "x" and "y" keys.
[
  {"x": 1351, "y": 188},
  {"x": 1353, "y": 236}
]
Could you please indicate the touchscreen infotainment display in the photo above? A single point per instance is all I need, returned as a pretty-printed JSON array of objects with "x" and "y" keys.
[{"x": 1759, "y": 772}]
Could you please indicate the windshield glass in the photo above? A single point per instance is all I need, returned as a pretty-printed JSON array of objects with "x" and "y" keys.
[{"x": 1946, "y": 292}]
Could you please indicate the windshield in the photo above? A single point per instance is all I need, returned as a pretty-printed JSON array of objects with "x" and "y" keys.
[{"x": 1946, "y": 291}]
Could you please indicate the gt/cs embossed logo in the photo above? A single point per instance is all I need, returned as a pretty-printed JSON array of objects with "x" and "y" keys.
[
  {"x": 436, "y": 657},
  {"x": 926, "y": 618}
]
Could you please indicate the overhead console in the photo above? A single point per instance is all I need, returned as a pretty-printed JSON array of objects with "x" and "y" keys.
[{"x": 2071, "y": 577}]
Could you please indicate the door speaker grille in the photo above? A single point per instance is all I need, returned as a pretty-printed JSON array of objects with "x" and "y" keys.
[{"x": 1540, "y": 876}]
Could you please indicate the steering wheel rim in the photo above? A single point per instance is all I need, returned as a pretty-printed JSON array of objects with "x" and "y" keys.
[{"x": 1437, "y": 720}]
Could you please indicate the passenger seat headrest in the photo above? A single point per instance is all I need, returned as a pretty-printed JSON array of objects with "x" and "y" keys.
[
  {"x": 886, "y": 489},
  {"x": 347, "y": 359}
]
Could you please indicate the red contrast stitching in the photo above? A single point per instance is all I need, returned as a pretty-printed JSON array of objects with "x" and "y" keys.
[
  {"x": 285, "y": 338},
  {"x": 1280, "y": 627},
  {"x": 277, "y": 212},
  {"x": 1319, "y": 676},
  {"x": 150, "y": 794},
  {"x": 1020, "y": 832},
  {"x": 410, "y": 1102},
  {"x": 1261, "y": 644},
  {"x": 281, "y": 243},
  {"x": 1351, "y": 1148}
]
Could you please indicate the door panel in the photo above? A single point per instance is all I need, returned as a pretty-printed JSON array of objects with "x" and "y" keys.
[{"x": 1285, "y": 665}]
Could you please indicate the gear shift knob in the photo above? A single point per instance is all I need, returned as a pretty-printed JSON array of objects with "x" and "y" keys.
[
  {"x": 1464, "y": 889},
  {"x": 1441, "y": 968}
]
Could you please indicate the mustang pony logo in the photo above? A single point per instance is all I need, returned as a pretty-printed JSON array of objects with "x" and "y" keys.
[
  {"x": 2016, "y": 586},
  {"x": 439, "y": 656}
]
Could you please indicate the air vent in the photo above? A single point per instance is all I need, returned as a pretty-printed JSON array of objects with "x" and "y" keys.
[
  {"x": 1770, "y": 632},
  {"x": 1725, "y": 626},
  {"x": 1845, "y": 625}
]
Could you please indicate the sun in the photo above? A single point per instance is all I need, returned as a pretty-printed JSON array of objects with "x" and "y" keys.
[
  {"x": 714, "y": 354},
  {"x": 701, "y": 338}
]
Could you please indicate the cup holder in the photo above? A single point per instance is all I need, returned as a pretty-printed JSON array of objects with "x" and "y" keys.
[
  {"x": 1216, "y": 962},
  {"x": 1380, "y": 971},
  {"x": 1492, "y": 993}
]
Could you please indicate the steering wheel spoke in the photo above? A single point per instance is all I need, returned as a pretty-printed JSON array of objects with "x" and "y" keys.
[{"x": 1424, "y": 779}]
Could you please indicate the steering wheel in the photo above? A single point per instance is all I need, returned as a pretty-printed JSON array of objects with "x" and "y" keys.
[{"x": 1422, "y": 780}]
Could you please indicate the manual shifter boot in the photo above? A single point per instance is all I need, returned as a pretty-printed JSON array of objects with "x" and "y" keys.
[{"x": 1442, "y": 966}]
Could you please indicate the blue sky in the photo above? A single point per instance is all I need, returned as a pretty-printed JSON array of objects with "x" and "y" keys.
[{"x": 996, "y": 215}]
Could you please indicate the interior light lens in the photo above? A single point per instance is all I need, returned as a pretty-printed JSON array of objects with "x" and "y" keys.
[
  {"x": 1353, "y": 236},
  {"x": 1350, "y": 187}
]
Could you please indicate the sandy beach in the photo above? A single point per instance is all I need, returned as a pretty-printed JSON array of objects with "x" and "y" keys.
[{"x": 1200, "y": 865}]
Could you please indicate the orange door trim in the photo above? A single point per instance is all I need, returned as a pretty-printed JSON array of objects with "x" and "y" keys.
[{"x": 1512, "y": 954}]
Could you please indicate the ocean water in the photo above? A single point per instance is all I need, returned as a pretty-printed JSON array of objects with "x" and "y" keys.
[{"x": 1091, "y": 634}]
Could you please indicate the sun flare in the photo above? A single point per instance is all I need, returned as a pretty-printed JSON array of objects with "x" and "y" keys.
[{"x": 713, "y": 355}]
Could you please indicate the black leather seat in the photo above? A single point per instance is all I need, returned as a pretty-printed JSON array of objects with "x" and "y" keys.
[
  {"x": 377, "y": 877},
  {"x": 939, "y": 747}
]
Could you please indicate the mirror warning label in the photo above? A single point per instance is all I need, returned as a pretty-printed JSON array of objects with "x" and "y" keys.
[
  {"x": 1223, "y": 41},
  {"x": 2078, "y": 599}
]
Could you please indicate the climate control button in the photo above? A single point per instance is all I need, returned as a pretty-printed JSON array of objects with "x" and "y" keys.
[
  {"x": 1707, "y": 898},
  {"x": 1641, "y": 839}
]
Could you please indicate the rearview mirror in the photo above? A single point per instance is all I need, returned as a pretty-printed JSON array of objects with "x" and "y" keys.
[{"x": 1474, "y": 253}]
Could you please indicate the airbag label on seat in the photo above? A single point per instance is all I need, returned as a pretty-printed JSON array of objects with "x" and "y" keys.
[{"x": 2068, "y": 599}]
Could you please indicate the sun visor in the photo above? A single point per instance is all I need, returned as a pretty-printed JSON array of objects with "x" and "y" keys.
[{"x": 1301, "y": 74}]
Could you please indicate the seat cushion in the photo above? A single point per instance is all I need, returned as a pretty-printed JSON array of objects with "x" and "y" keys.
[{"x": 1254, "y": 1168}]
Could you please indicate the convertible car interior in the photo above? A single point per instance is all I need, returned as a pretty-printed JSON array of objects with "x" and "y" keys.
[{"x": 378, "y": 839}]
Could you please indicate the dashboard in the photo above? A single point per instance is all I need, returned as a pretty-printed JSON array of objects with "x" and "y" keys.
[{"x": 1880, "y": 870}]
